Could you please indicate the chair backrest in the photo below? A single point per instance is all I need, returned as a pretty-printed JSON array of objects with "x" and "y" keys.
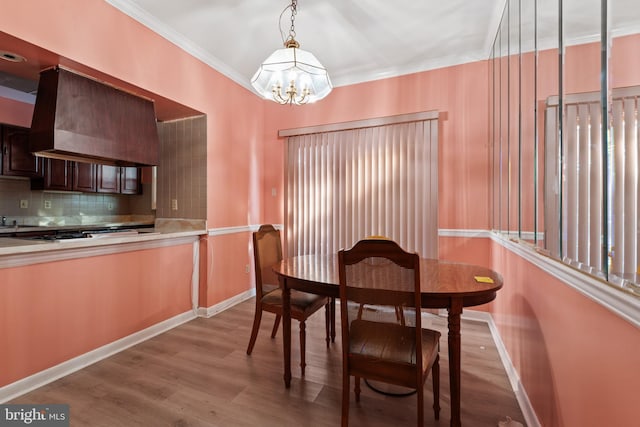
[
  {"x": 379, "y": 282},
  {"x": 267, "y": 251}
]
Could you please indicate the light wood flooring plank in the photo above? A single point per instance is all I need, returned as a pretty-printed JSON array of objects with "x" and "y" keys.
[{"x": 198, "y": 374}]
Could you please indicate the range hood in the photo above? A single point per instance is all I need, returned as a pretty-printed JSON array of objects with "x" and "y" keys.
[{"x": 78, "y": 118}]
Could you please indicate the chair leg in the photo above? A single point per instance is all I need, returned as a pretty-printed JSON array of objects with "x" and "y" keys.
[
  {"x": 435, "y": 377},
  {"x": 254, "y": 332},
  {"x": 345, "y": 399},
  {"x": 333, "y": 320},
  {"x": 327, "y": 322},
  {"x": 357, "y": 389},
  {"x": 420, "y": 395},
  {"x": 303, "y": 345},
  {"x": 276, "y": 323}
]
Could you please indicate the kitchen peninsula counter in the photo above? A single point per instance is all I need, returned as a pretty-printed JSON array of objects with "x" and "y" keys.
[{"x": 18, "y": 251}]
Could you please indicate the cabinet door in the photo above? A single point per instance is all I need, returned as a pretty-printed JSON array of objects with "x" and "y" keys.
[
  {"x": 58, "y": 174},
  {"x": 16, "y": 158},
  {"x": 130, "y": 181},
  {"x": 84, "y": 177},
  {"x": 108, "y": 179}
]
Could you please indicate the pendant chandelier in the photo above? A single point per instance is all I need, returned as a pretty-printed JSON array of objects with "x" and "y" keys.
[{"x": 292, "y": 75}]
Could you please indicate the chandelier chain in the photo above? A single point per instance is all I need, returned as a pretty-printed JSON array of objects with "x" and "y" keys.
[{"x": 294, "y": 12}]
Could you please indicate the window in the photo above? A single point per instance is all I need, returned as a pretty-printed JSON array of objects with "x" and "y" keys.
[{"x": 354, "y": 180}]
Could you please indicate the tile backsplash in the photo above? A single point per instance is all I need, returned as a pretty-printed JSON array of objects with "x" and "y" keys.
[
  {"x": 181, "y": 187},
  {"x": 15, "y": 193}
]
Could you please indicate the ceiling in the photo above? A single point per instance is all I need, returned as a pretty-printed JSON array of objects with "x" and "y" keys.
[
  {"x": 356, "y": 40},
  {"x": 363, "y": 40}
]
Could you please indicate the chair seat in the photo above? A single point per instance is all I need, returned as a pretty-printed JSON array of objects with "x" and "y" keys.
[
  {"x": 301, "y": 302},
  {"x": 267, "y": 252},
  {"x": 391, "y": 343},
  {"x": 382, "y": 335}
]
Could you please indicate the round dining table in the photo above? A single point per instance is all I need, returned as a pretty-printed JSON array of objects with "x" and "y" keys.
[{"x": 444, "y": 285}]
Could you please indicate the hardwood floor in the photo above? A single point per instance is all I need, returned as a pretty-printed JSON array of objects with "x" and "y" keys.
[{"x": 198, "y": 374}]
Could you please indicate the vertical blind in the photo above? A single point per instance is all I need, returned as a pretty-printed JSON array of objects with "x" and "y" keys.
[
  {"x": 624, "y": 200},
  {"x": 346, "y": 185},
  {"x": 574, "y": 183}
]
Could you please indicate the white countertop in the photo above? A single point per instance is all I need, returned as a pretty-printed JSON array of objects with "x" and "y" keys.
[
  {"x": 21, "y": 246},
  {"x": 16, "y": 251}
]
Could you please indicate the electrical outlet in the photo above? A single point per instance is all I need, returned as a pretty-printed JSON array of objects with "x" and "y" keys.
[
  {"x": 246, "y": 268},
  {"x": 274, "y": 192},
  {"x": 174, "y": 204},
  {"x": 47, "y": 204},
  {"x": 24, "y": 204}
]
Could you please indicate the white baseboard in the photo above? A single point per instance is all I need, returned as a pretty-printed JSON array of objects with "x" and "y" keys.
[
  {"x": 25, "y": 385},
  {"x": 529, "y": 414},
  {"x": 42, "y": 378},
  {"x": 226, "y": 304}
]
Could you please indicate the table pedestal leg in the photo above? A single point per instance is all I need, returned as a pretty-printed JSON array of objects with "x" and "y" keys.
[
  {"x": 286, "y": 330},
  {"x": 454, "y": 361}
]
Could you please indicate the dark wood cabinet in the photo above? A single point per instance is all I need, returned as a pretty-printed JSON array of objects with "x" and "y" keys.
[
  {"x": 120, "y": 180},
  {"x": 84, "y": 177},
  {"x": 17, "y": 160},
  {"x": 108, "y": 179},
  {"x": 130, "y": 180},
  {"x": 64, "y": 175},
  {"x": 61, "y": 175},
  {"x": 58, "y": 175}
]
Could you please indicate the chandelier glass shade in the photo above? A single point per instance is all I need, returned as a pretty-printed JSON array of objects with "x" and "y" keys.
[{"x": 292, "y": 75}]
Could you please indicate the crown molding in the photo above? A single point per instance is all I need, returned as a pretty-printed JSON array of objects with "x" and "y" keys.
[
  {"x": 142, "y": 16},
  {"x": 346, "y": 78}
]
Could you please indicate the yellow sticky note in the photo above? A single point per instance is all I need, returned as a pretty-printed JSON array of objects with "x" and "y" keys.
[{"x": 483, "y": 279}]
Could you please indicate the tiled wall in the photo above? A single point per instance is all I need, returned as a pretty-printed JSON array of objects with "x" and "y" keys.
[
  {"x": 66, "y": 204},
  {"x": 182, "y": 172}
]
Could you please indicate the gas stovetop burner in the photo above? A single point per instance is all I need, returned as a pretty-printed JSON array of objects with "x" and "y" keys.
[{"x": 61, "y": 236}]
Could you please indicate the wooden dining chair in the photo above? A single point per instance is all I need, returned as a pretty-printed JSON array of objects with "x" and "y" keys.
[
  {"x": 267, "y": 251},
  {"x": 380, "y": 276}
]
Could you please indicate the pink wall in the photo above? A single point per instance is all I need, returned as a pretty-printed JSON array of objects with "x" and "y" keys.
[
  {"x": 228, "y": 253},
  {"x": 577, "y": 360},
  {"x": 551, "y": 331},
  {"x": 111, "y": 43},
  {"x": 624, "y": 70},
  {"x": 52, "y": 312},
  {"x": 459, "y": 93},
  {"x": 136, "y": 55},
  {"x": 548, "y": 328},
  {"x": 244, "y": 158},
  {"x": 15, "y": 112},
  {"x": 471, "y": 250}
]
